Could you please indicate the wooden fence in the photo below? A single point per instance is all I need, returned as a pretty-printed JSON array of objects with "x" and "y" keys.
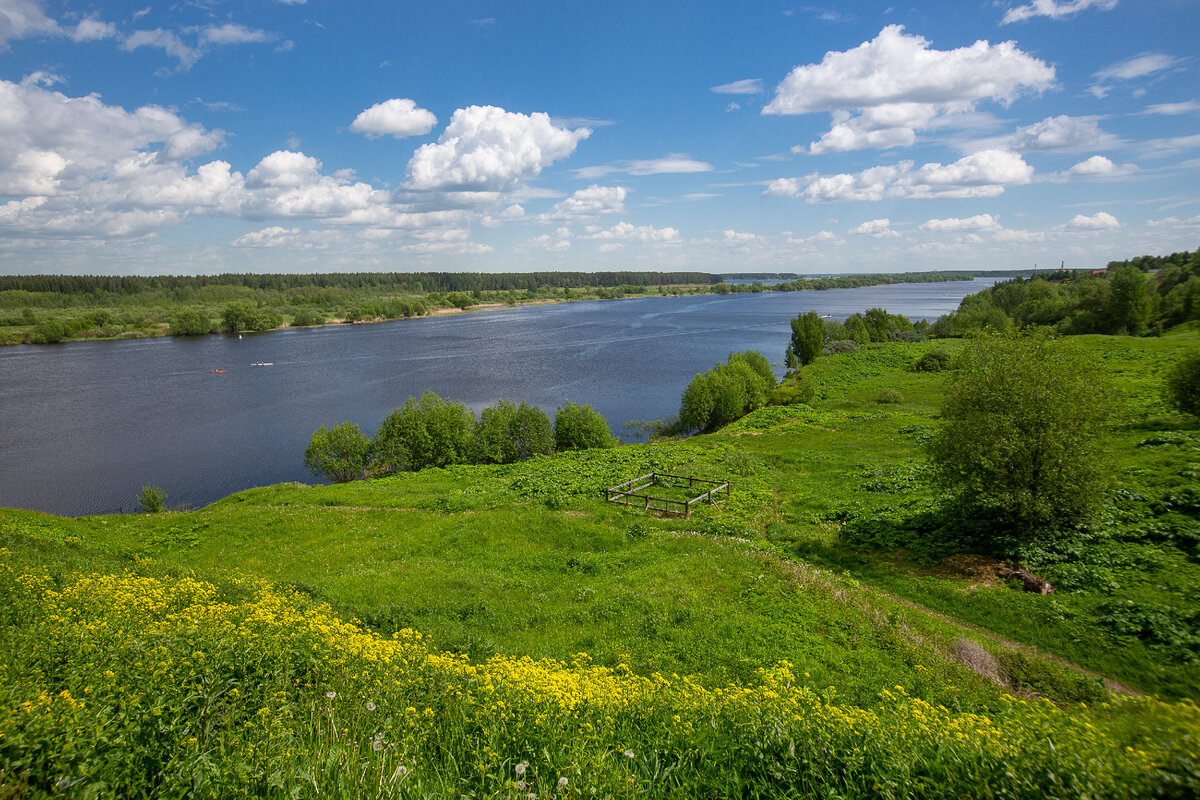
[{"x": 630, "y": 493}]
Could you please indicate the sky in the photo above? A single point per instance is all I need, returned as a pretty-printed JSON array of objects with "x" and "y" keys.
[{"x": 210, "y": 136}]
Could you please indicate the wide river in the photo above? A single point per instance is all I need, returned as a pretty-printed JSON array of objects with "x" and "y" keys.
[{"x": 84, "y": 425}]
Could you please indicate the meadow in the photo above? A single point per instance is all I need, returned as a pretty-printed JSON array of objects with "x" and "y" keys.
[{"x": 501, "y": 631}]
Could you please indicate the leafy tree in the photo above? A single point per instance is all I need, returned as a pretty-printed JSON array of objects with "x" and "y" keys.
[
  {"x": 189, "y": 322},
  {"x": 430, "y": 432},
  {"x": 727, "y": 392},
  {"x": 1128, "y": 301},
  {"x": 1182, "y": 386},
  {"x": 1019, "y": 450},
  {"x": 808, "y": 336},
  {"x": 580, "y": 427},
  {"x": 508, "y": 433},
  {"x": 338, "y": 453}
]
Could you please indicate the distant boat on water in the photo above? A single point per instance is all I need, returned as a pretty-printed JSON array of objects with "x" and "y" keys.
[
  {"x": 217, "y": 371},
  {"x": 263, "y": 364}
]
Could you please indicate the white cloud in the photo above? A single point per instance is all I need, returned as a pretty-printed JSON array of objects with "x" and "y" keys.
[
  {"x": 876, "y": 228},
  {"x": 747, "y": 86},
  {"x": 885, "y": 90},
  {"x": 1064, "y": 134},
  {"x": 1099, "y": 166},
  {"x": 234, "y": 34},
  {"x": 587, "y": 204},
  {"x": 273, "y": 236},
  {"x": 738, "y": 238},
  {"x": 1173, "y": 109},
  {"x": 982, "y": 174},
  {"x": 557, "y": 242},
  {"x": 1054, "y": 9},
  {"x": 625, "y": 231},
  {"x": 979, "y": 222},
  {"x": 79, "y": 167},
  {"x": 1130, "y": 69},
  {"x": 1100, "y": 221},
  {"x": 817, "y": 238},
  {"x": 485, "y": 148},
  {"x": 514, "y": 211},
  {"x": 398, "y": 117},
  {"x": 672, "y": 163},
  {"x": 92, "y": 29},
  {"x": 167, "y": 41},
  {"x": 23, "y": 18}
]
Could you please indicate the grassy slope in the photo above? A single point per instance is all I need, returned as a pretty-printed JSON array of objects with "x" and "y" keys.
[{"x": 529, "y": 560}]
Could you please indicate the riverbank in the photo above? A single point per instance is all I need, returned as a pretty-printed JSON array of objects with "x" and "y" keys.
[{"x": 55, "y": 309}]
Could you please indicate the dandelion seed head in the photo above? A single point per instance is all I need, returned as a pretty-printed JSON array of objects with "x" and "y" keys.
[
  {"x": 331, "y": 695},
  {"x": 370, "y": 706},
  {"x": 629, "y": 754},
  {"x": 520, "y": 768},
  {"x": 377, "y": 745},
  {"x": 562, "y": 784}
]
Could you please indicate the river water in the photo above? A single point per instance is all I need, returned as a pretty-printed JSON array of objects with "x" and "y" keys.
[{"x": 84, "y": 425}]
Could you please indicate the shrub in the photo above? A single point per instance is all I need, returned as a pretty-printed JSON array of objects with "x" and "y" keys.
[
  {"x": 808, "y": 333},
  {"x": 507, "y": 433},
  {"x": 1181, "y": 388},
  {"x": 797, "y": 389},
  {"x": 933, "y": 361},
  {"x": 189, "y": 322},
  {"x": 580, "y": 427},
  {"x": 727, "y": 392},
  {"x": 837, "y": 346},
  {"x": 152, "y": 500},
  {"x": 338, "y": 453},
  {"x": 1019, "y": 452},
  {"x": 889, "y": 396},
  {"x": 430, "y": 432}
]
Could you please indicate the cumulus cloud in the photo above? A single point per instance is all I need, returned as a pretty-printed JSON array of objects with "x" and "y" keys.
[
  {"x": 982, "y": 174},
  {"x": 747, "y": 86},
  {"x": 557, "y": 242},
  {"x": 234, "y": 34},
  {"x": 273, "y": 236},
  {"x": 738, "y": 238},
  {"x": 1100, "y": 221},
  {"x": 1130, "y": 69},
  {"x": 398, "y": 117},
  {"x": 78, "y": 166},
  {"x": 588, "y": 203},
  {"x": 485, "y": 148},
  {"x": 885, "y": 90},
  {"x": 1054, "y": 9},
  {"x": 876, "y": 228},
  {"x": 1063, "y": 134},
  {"x": 624, "y": 231},
  {"x": 979, "y": 222},
  {"x": 1096, "y": 165}
]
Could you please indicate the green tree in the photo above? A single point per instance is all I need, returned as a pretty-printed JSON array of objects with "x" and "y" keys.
[
  {"x": 1181, "y": 388},
  {"x": 189, "y": 322},
  {"x": 338, "y": 453},
  {"x": 808, "y": 337},
  {"x": 727, "y": 392},
  {"x": 1128, "y": 301},
  {"x": 580, "y": 427},
  {"x": 1019, "y": 449},
  {"x": 430, "y": 432},
  {"x": 507, "y": 433}
]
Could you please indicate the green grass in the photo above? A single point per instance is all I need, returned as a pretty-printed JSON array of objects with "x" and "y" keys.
[{"x": 816, "y": 560}]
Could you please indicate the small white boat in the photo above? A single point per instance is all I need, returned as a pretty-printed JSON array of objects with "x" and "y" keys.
[{"x": 263, "y": 364}]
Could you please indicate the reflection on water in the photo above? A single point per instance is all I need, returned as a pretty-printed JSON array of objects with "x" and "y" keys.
[{"x": 84, "y": 425}]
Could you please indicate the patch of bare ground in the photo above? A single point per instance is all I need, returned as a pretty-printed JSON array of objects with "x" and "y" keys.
[{"x": 981, "y": 571}]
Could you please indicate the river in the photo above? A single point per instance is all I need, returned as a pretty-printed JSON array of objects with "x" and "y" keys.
[{"x": 84, "y": 425}]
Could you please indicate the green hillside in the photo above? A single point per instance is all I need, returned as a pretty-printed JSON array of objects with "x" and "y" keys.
[{"x": 491, "y": 630}]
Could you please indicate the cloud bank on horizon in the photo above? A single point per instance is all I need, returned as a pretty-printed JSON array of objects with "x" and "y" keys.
[{"x": 309, "y": 136}]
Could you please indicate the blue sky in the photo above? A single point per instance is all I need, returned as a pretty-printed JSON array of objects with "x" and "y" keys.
[{"x": 209, "y": 136}]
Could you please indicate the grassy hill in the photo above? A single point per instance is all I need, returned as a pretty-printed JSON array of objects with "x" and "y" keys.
[{"x": 490, "y": 631}]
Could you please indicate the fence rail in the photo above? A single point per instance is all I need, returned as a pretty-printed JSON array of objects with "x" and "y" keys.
[{"x": 630, "y": 493}]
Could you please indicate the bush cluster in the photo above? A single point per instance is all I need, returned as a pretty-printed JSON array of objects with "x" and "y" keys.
[
  {"x": 727, "y": 392},
  {"x": 434, "y": 432}
]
